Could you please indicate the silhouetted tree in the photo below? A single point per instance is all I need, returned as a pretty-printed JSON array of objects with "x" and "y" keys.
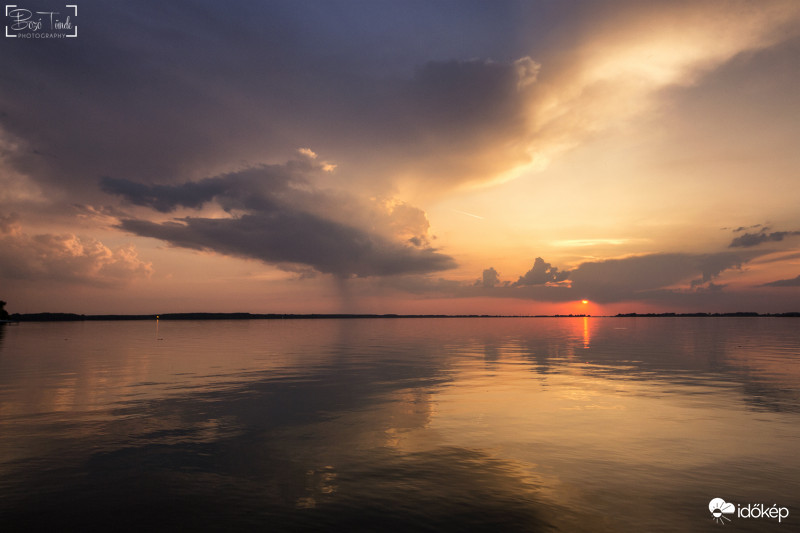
[{"x": 3, "y": 312}]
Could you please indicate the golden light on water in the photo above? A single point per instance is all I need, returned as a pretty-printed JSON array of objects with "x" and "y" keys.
[{"x": 586, "y": 335}]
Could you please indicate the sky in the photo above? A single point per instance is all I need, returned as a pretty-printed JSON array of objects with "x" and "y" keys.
[{"x": 533, "y": 157}]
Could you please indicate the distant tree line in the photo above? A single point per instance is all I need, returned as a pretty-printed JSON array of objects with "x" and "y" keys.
[
  {"x": 59, "y": 317},
  {"x": 693, "y": 315}
]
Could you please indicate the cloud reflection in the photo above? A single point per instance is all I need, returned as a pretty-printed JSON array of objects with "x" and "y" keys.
[{"x": 498, "y": 423}]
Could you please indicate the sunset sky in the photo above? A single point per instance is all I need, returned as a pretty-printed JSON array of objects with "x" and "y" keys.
[{"x": 404, "y": 157}]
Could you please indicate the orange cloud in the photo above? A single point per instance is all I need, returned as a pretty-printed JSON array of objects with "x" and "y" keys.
[{"x": 65, "y": 258}]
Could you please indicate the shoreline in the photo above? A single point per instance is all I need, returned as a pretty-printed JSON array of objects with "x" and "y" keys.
[{"x": 73, "y": 317}]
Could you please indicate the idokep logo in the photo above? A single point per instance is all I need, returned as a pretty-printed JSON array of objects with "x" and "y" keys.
[
  {"x": 24, "y": 23},
  {"x": 719, "y": 508}
]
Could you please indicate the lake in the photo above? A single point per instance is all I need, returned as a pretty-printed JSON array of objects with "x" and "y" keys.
[{"x": 429, "y": 424}]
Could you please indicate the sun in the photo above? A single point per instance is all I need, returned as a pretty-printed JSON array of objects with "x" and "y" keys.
[{"x": 584, "y": 301}]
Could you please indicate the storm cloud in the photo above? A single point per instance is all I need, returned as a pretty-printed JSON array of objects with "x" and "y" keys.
[
  {"x": 280, "y": 218},
  {"x": 168, "y": 92},
  {"x": 213, "y": 91},
  {"x": 285, "y": 236}
]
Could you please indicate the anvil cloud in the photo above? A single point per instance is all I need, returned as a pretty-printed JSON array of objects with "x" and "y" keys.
[{"x": 277, "y": 217}]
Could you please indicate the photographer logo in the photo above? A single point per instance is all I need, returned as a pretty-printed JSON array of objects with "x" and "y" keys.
[{"x": 24, "y": 23}]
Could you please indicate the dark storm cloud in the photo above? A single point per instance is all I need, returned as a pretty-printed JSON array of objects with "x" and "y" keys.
[
  {"x": 462, "y": 120},
  {"x": 793, "y": 282},
  {"x": 252, "y": 188},
  {"x": 166, "y": 91},
  {"x": 175, "y": 91},
  {"x": 277, "y": 217},
  {"x": 295, "y": 237},
  {"x": 754, "y": 239},
  {"x": 162, "y": 198}
]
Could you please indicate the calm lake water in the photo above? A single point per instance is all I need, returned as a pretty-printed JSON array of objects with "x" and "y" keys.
[{"x": 478, "y": 424}]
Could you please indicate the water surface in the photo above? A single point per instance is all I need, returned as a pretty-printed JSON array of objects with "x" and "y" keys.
[{"x": 495, "y": 424}]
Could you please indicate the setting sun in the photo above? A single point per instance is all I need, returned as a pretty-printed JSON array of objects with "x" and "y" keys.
[{"x": 584, "y": 301}]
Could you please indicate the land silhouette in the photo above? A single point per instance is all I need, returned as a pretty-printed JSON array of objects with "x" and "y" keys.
[{"x": 72, "y": 317}]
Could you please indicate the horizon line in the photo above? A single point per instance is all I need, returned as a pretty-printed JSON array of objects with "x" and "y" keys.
[{"x": 72, "y": 317}]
